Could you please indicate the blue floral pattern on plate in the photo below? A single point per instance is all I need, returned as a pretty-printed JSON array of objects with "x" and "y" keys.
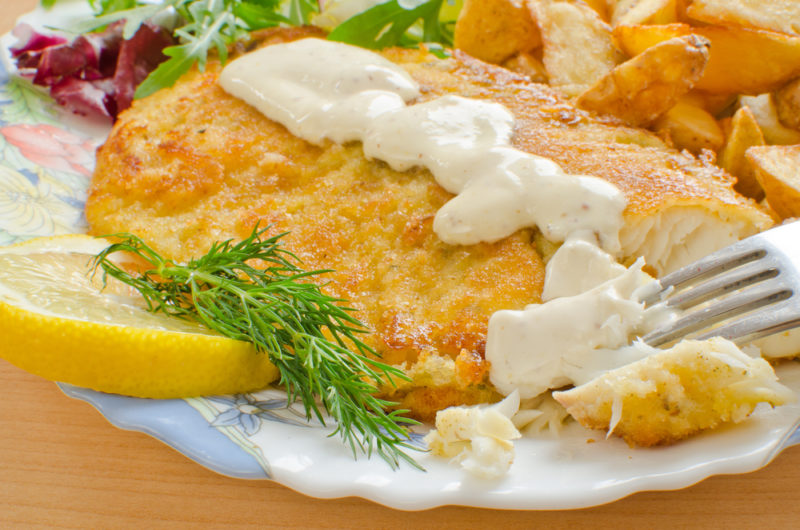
[{"x": 174, "y": 422}]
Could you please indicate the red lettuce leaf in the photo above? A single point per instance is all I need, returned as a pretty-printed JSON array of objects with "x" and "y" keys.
[
  {"x": 31, "y": 40},
  {"x": 95, "y": 74},
  {"x": 87, "y": 98},
  {"x": 138, "y": 56}
]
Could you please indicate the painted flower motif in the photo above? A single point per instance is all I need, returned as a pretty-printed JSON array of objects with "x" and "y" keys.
[
  {"x": 34, "y": 205},
  {"x": 417, "y": 439},
  {"x": 246, "y": 412},
  {"x": 51, "y": 147}
]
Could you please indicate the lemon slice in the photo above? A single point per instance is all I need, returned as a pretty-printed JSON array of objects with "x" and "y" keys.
[{"x": 58, "y": 321}]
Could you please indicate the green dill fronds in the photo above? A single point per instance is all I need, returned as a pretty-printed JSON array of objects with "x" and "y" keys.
[{"x": 254, "y": 291}]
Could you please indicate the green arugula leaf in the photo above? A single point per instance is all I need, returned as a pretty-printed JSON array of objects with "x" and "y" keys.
[
  {"x": 182, "y": 58},
  {"x": 133, "y": 17},
  {"x": 388, "y": 24},
  {"x": 165, "y": 75},
  {"x": 110, "y": 6},
  {"x": 210, "y": 24}
]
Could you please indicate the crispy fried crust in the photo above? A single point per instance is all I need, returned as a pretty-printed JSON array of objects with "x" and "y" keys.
[{"x": 191, "y": 165}]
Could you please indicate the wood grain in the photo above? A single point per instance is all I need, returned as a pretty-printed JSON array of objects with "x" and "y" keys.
[{"x": 62, "y": 465}]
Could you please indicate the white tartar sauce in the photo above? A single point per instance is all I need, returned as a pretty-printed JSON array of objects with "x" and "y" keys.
[
  {"x": 572, "y": 339},
  {"x": 320, "y": 90}
]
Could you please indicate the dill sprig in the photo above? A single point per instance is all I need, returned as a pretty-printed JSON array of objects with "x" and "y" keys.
[{"x": 254, "y": 291}]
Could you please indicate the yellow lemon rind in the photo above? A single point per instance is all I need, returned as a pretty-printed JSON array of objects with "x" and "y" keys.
[{"x": 136, "y": 362}]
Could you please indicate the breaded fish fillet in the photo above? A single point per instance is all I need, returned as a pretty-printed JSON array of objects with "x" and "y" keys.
[{"x": 191, "y": 165}]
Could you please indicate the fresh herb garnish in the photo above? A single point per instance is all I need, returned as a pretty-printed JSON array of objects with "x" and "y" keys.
[{"x": 308, "y": 335}]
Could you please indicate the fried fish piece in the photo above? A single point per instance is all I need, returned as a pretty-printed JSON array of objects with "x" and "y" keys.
[
  {"x": 191, "y": 165},
  {"x": 675, "y": 393}
]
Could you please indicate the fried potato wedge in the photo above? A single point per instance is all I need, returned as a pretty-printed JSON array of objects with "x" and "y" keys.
[
  {"x": 633, "y": 12},
  {"x": 680, "y": 9},
  {"x": 601, "y": 7},
  {"x": 766, "y": 114},
  {"x": 742, "y": 60},
  {"x": 641, "y": 89},
  {"x": 578, "y": 48},
  {"x": 776, "y": 168},
  {"x": 776, "y": 15},
  {"x": 713, "y": 103},
  {"x": 634, "y": 39},
  {"x": 691, "y": 128},
  {"x": 787, "y": 104},
  {"x": 494, "y": 30},
  {"x": 748, "y": 61},
  {"x": 744, "y": 134}
]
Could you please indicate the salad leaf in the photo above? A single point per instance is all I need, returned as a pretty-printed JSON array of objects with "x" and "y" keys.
[
  {"x": 134, "y": 17},
  {"x": 300, "y": 11},
  {"x": 109, "y": 6},
  {"x": 96, "y": 73},
  {"x": 389, "y": 24}
]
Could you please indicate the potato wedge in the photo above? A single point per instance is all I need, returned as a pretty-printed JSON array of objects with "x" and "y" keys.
[
  {"x": 744, "y": 134},
  {"x": 577, "y": 45},
  {"x": 690, "y": 127},
  {"x": 777, "y": 168},
  {"x": 635, "y": 39},
  {"x": 742, "y": 60},
  {"x": 766, "y": 114},
  {"x": 713, "y": 103},
  {"x": 632, "y": 12},
  {"x": 494, "y": 30},
  {"x": 787, "y": 104},
  {"x": 680, "y": 9},
  {"x": 749, "y": 61},
  {"x": 775, "y": 15},
  {"x": 601, "y": 7},
  {"x": 641, "y": 89}
]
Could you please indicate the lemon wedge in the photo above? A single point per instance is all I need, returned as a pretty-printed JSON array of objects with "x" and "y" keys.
[{"x": 58, "y": 321}]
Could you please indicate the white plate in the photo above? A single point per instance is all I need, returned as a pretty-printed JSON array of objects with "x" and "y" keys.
[{"x": 45, "y": 161}]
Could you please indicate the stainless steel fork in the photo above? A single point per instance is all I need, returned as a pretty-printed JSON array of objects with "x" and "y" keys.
[{"x": 742, "y": 292}]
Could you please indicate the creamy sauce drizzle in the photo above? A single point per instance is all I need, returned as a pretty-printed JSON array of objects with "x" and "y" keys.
[
  {"x": 322, "y": 90},
  {"x": 570, "y": 339}
]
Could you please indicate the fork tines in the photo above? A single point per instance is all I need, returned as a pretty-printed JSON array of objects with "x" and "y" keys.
[{"x": 742, "y": 292}]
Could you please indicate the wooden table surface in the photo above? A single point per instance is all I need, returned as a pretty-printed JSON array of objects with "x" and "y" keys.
[{"x": 63, "y": 465}]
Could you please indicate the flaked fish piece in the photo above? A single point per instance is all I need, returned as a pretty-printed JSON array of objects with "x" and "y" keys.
[{"x": 672, "y": 394}]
